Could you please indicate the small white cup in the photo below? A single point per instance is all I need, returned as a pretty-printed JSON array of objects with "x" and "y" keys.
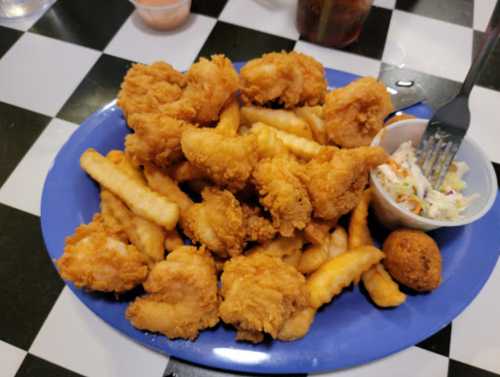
[{"x": 480, "y": 179}]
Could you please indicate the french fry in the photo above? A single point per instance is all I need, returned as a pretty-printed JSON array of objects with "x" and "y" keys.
[
  {"x": 315, "y": 122},
  {"x": 139, "y": 198},
  {"x": 229, "y": 119},
  {"x": 297, "y": 325},
  {"x": 359, "y": 233},
  {"x": 145, "y": 235},
  {"x": 185, "y": 171},
  {"x": 338, "y": 242},
  {"x": 283, "y": 120},
  {"x": 121, "y": 160},
  {"x": 382, "y": 289},
  {"x": 337, "y": 273},
  {"x": 300, "y": 146},
  {"x": 110, "y": 220},
  {"x": 173, "y": 240},
  {"x": 268, "y": 143},
  {"x": 312, "y": 258},
  {"x": 161, "y": 183}
]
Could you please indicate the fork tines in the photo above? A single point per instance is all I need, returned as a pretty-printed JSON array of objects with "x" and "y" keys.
[{"x": 437, "y": 151}]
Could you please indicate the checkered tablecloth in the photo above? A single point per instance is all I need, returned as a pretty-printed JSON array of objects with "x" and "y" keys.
[{"x": 58, "y": 67}]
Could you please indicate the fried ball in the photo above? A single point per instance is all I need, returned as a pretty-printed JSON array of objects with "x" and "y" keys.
[
  {"x": 355, "y": 113},
  {"x": 413, "y": 259}
]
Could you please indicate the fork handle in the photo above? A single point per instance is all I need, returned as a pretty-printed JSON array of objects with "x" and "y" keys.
[{"x": 485, "y": 50}]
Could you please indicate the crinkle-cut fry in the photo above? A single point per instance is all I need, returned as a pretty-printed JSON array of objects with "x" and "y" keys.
[
  {"x": 268, "y": 143},
  {"x": 297, "y": 325},
  {"x": 146, "y": 236},
  {"x": 316, "y": 110},
  {"x": 312, "y": 258},
  {"x": 382, "y": 289},
  {"x": 337, "y": 273},
  {"x": 139, "y": 198},
  {"x": 359, "y": 233},
  {"x": 173, "y": 240},
  {"x": 151, "y": 237},
  {"x": 229, "y": 121},
  {"x": 299, "y": 146},
  {"x": 315, "y": 122},
  {"x": 283, "y": 120},
  {"x": 185, "y": 171},
  {"x": 120, "y": 159},
  {"x": 112, "y": 224},
  {"x": 338, "y": 242},
  {"x": 161, "y": 183}
]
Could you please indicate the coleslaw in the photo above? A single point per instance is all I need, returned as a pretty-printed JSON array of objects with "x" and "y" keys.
[{"x": 403, "y": 179}]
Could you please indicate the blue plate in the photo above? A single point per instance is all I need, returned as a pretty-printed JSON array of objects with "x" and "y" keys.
[{"x": 348, "y": 332}]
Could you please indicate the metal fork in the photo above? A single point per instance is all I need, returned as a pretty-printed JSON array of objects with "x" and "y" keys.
[{"x": 447, "y": 128}]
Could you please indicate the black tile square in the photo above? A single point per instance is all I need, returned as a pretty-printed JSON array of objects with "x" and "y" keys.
[
  {"x": 438, "y": 90},
  {"x": 241, "y": 44},
  {"x": 490, "y": 76},
  {"x": 90, "y": 23},
  {"x": 30, "y": 283},
  {"x": 439, "y": 342},
  {"x": 496, "y": 166},
  {"x": 178, "y": 368},
  {"x": 458, "y": 369},
  {"x": 7, "y": 38},
  {"x": 211, "y": 8},
  {"x": 372, "y": 39},
  {"x": 456, "y": 11},
  {"x": 19, "y": 128},
  {"x": 99, "y": 87},
  {"x": 33, "y": 366}
]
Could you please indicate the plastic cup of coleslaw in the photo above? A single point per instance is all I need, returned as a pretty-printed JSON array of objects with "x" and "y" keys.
[
  {"x": 163, "y": 14},
  {"x": 480, "y": 180}
]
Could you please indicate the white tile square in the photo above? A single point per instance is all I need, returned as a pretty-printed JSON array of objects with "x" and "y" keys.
[
  {"x": 25, "y": 23},
  {"x": 274, "y": 17},
  {"x": 179, "y": 47},
  {"x": 75, "y": 338},
  {"x": 475, "y": 336},
  {"x": 40, "y": 73},
  {"x": 23, "y": 188},
  {"x": 10, "y": 359},
  {"x": 412, "y": 362},
  {"x": 427, "y": 45},
  {"x": 341, "y": 60},
  {"x": 482, "y": 13},
  {"x": 485, "y": 114},
  {"x": 389, "y": 4}
]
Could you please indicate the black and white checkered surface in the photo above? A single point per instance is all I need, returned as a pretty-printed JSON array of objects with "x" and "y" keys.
[{"x": 58, "y": 67}]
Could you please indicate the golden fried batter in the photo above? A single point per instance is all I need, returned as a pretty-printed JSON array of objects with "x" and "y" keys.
[
  {"x": 182, "y": 295},
  {"x": 146, "y": 87},
  {"x": 210, "y": 84},
  {"x": 355, "y": 113},
  {"x": 260, "y": 293},
  {"x": 227, "y": 160},
  {"x": 291, "y": 79},
  {"x": 217, "y": 222},
  {"x": 98, "y": 261},
  {"x": 283, "y": 194},
  {"x": 413, "y": 259},
  {"x": 157, "y": 139},
  {"x": 336, "y": 179}
]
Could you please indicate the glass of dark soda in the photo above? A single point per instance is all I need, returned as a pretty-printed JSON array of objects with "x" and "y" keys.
[{"x": 334, "y": 23}]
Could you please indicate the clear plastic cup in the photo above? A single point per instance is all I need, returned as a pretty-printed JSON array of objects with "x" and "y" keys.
[
  {"x": 21, "y": 8},
  {"x": 163, "y": 14}
]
